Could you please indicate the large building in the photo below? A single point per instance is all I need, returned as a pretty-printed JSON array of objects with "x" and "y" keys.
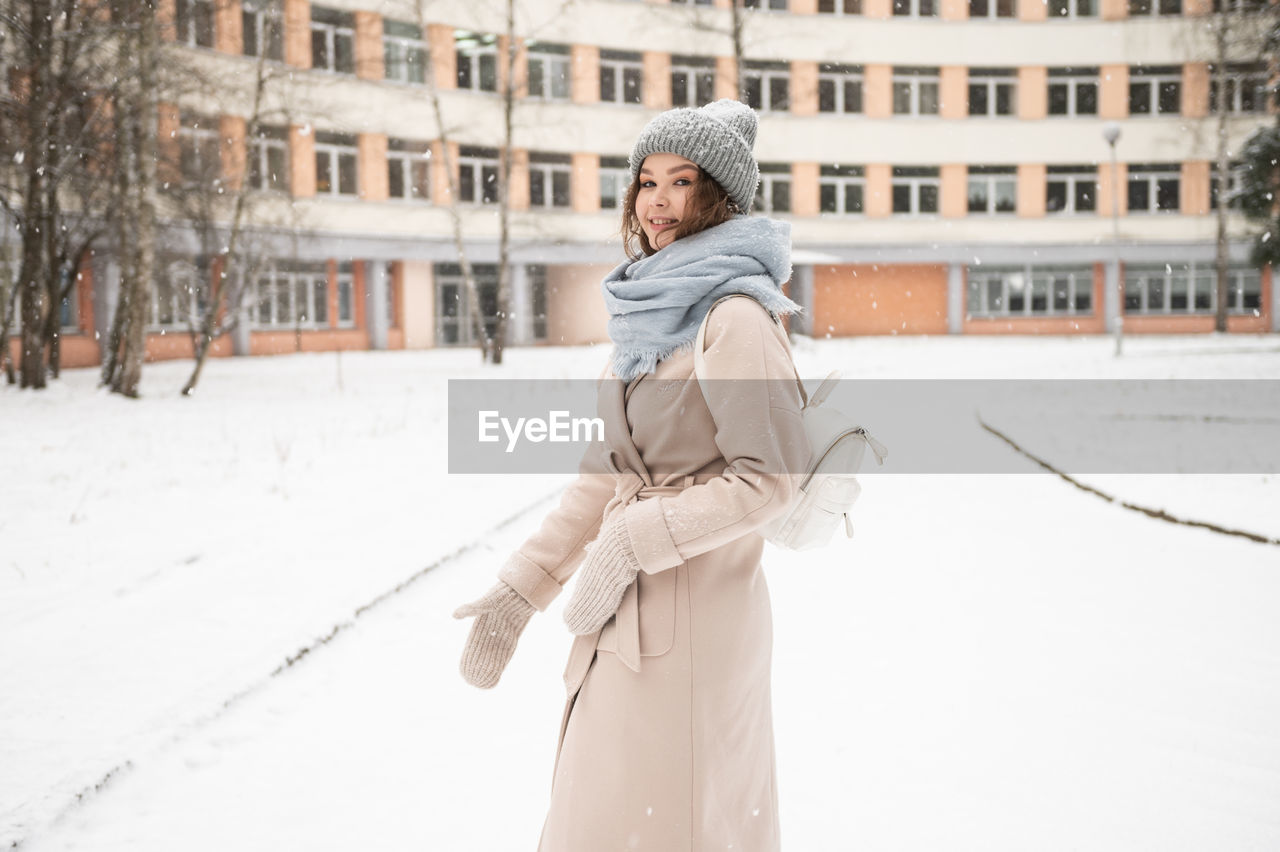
[{"x": 943, "y": 163}]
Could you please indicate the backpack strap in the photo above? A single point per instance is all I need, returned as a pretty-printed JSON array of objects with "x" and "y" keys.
[{"x": 699, "y": 359}]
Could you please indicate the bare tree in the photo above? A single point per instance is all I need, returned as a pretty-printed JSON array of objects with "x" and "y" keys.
[
  {"x": 1238, "y": 27},
  {"x": 136, "y": 153}
]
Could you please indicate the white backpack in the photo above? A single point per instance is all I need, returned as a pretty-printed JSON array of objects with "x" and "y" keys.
[{"x": 829, "y": 486}]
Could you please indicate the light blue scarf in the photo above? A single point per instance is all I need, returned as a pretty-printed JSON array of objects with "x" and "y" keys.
[{"x": 656, "y": 303}]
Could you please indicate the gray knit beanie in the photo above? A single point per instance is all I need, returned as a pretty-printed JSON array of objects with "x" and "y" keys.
[{"x": 718, "y": 137}]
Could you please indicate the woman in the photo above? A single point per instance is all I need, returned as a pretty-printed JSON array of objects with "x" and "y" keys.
[{"x": 667, "y": 739}]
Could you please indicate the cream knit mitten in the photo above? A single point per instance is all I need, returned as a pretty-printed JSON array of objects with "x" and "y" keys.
[
  {"x": 609, "y": 569},
  {"x": 501, "y": 616}
]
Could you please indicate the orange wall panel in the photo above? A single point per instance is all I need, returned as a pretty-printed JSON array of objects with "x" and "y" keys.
[{"x": 879, "y": 299}]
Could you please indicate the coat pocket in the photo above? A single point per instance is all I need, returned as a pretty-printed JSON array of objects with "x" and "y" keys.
[{"x": 657, "y": 615}]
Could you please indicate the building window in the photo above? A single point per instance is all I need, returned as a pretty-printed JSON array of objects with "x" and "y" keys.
[
  {"x": 454, "y": 310},
  {"x": 194, "y": 22},
  {"x": 290, "y": 296},
  {"x": 336, "y": 164},
  {"x": 269, "y": 160},
  {"x": 916, "y": 8},
  {"x": 177, "y": 297},
  {"x": 1154, "y": 188},
  {"x": 404, "y": 53},
  {"x": 992, "y": 91},
  {"x": 621, "y": 77},
  {"x": 478, "y": 175},
  {"x": 773, "y": 5},
  {"x": 261, "y": 22},
  {"x": 1246, "y": 87},
  {"x": 693, "y": 2},
  {"x": 615, "y": 179},
  {"x": 768, "y": 85},
  {"x": 839, "y": 88},
  {"x": 839, "y": 7},
  {"x": 1189, "y": 288},
  {"x": 333, "y": 38},
  {"x": 993, "y": 8},
  {"x": 548, "y": 71},
  {"x": 549, "y": 180},
  {"x": 1244, "y": 6},
  {"x": 915, "y": 190},
  {"x": 1012, "y": 291},
  {"x": 1073, "y": 91},
  {"x": 200, "y": 160},
  {"x": 693, "y": 81},
  {"x": 1155, "y": 7},
  {"x": 915, "y": 91},
  {"x": 841, "y": 190},
  {"x": 1235, "y": 180},
  {"x": 1073, "y": 9},
  {"x": 409, "y": 170},
  {"x": 774, "y": 195},
  {"x": 477, "y": 58},
  {"x": 1071, "y": 189},
  {"x": 1155, "y": 90},
  {"x": 993, "y": 189}
]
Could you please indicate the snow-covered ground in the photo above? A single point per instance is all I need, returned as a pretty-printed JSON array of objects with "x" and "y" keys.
[{"x": 992, "y": 663}]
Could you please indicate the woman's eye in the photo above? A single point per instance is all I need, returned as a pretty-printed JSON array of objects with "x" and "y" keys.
[
  {"x": 646, "y": 184},
  {"x": 683, "y": 182}
]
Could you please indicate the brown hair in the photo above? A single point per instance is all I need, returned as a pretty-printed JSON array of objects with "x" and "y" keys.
[{"x": 708, "y": 205}]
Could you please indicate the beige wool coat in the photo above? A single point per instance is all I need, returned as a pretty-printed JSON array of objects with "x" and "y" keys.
[{"x": 667, "y": 739}]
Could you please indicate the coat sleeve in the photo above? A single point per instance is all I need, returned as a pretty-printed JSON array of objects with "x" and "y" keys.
[
  {"x": 541, "y": 566},
  {"x": 749, "y": 383}
]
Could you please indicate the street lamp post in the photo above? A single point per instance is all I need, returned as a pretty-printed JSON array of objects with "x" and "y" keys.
[{"x": 1111, "y": 133}]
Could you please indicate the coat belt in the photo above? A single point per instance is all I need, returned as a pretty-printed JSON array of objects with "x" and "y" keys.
[{"x": 630, "y": 488}]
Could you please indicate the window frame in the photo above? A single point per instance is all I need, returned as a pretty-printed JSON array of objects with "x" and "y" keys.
[
  {"x": 339, "y": 27},
  {"x": 916, "y": 179},
  {"x": 479, "y": 160},
  {"x": 993, "y": 10},
  {"x": 1152, "y": 175},
  {"x": 1238, "y": 73},
  {"x": 992, "y": 80},
  {"x": 620, "y": 63},
  {"x": 839, "y": 76},
  {"x": 840, "y": 7},
  {"x": 617, "y": 169},
  {"x": 192, "y": 19},
  {"x": 182, "y": 310},
  {"x": 916, "y": 79},
  {"x": 1072, "y": 177},
  {"x": 199, "y": 135},
  {"x": 335, "y": 147},
  {"x": 773, "y": 176},
  {"x": 696, "y": 70},
  {"x": 1073, "y": 80},
  {"x": 765, "y": 74},
  {"x": 260, "y": 146},
  {"x": 1201, "y": 278},
  {"x": 1154, "y": 8},
  {"x": 913, "y": 8},
  {"x": 1073, "y": 12},
  {"x": 1154, "y": 78},
  {"x": 990, "y": 176},
  {"x": 840, "y": 179},
  {"x": 408, "y": 45},
  {"x": 414, "y": 160},
  {"x": 556, "y": 64},
  {"x": 263, "y": 18},
  {"x": 548, "y": 167},
  {"x": 475, "y": 52},
  {"x": 978, "y": 279}
]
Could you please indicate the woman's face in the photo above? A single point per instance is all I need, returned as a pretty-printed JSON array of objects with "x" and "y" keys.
[{"x": 666, "y": 183}]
